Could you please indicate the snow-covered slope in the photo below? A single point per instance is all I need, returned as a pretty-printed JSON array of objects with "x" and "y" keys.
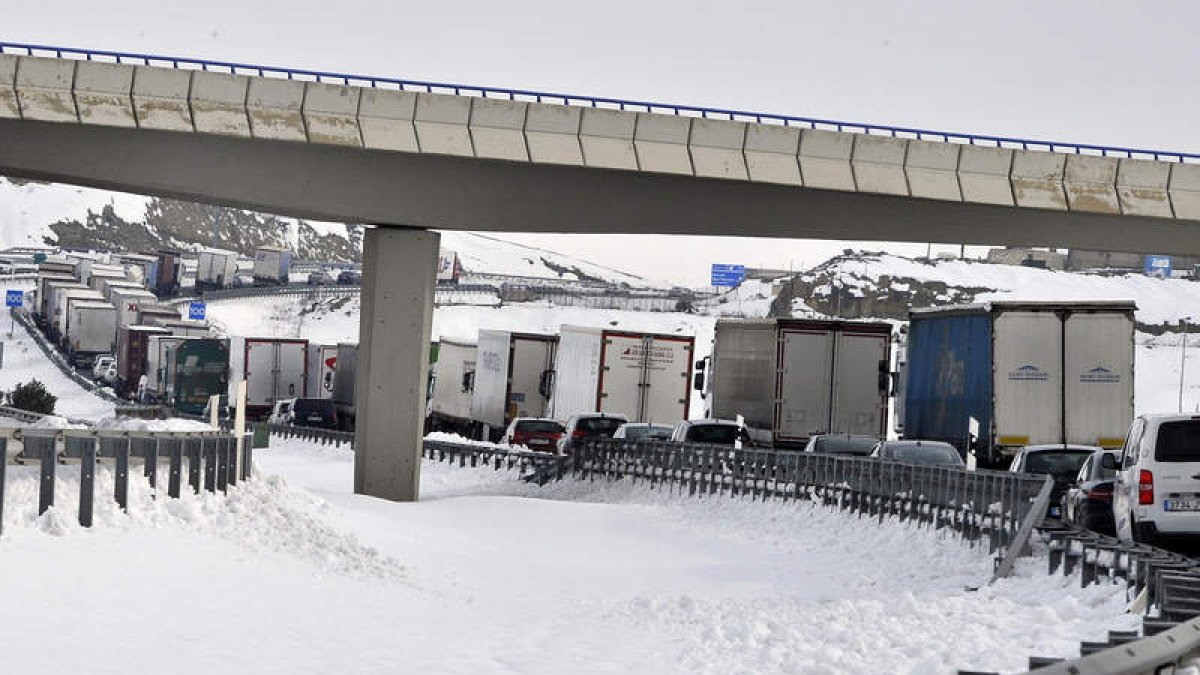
[
  {"x": 483, "y": 254},
  {"x": 1158, "y": 300},
  {"x": 28, "y": 209}
]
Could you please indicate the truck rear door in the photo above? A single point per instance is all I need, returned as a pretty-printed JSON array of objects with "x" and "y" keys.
[
  {"x": 804, "y": 382},
  {"x": 622, "y": 369},
  {"x": 1099, "y": 378},
  {"x": 531, "y": 357},
  {"x": 859, "y": 407},
  {"x": 291, "y": 370},
  {"x": 1027, "y": 353},
  {"x": 668, "y": 375}
]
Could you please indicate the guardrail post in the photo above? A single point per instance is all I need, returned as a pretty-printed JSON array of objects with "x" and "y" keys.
[
  {"x": 49, "y": 464},
  {"x": 194, "y": 447},
  {"x": 87, "y": 481},
  {"x": 121, "y": 477},
  {"x": 174, "y": 479},
  {"x": 3, "y": 471},
  {"x": 232, "y": 476},
  {"x": 210, "y": 466},
  {"x": 247, "y": 456},
  {"x": 222, "y": 464}
]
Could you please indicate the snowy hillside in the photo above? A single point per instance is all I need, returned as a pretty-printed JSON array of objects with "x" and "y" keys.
[
  {"x": 862, "y": 274},
  {"x": 28, "y": 209}
]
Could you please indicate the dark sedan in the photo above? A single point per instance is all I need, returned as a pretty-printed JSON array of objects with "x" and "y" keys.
[
  {"x": 1088, "y": 502},
  {"x": 1060, "y": 462}
]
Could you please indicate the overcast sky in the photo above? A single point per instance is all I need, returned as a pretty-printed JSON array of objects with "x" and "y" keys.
[{"x": 1102, "y": 72}]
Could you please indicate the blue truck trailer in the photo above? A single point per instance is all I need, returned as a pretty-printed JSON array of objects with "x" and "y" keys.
[{"x": 995, "y": 377}]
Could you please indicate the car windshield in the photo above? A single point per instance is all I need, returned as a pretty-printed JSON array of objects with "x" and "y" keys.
[
  {"x": 595, "y": 426},
  {"x": 1058, "y": 463},
  {"x": 313, "y": 406},
  {"x": 1178, "y": 442},
  {"x": 926, "y": 454},
  {"x": 636, "y": 432},
  {"x": 538, "y": 427},
  {"x": 844, "y": 445},
  {"x": 721, "y": 434}
]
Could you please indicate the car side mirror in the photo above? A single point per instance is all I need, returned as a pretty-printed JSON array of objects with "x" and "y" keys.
[{"x": 1109, "y": 462}]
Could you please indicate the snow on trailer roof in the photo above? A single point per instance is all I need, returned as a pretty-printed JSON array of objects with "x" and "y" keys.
[{"x": 1018, "y": 305}]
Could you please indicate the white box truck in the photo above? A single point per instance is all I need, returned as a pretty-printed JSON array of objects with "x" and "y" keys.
[
  {"x": 449, "y": 266},
  {"x": 274, "y": 368},
  {"x": 92, "y": 331},
  {"x": 452, "y": 387},
  {"x": 271, "y": 266},
  {"x": 643, "y": 376},
  {"x": 160, "y": 366},
  {"x": 128, "y": 302},
  {"x": 513, "y": 373},
  {"x": 215, "y": 269},
  {"x": 1027, "y": 373},
  {"x": 322, "y": 363},
  {"x": 62, "y": 317},
  {"x": 793, "y": 378},
  {"x": 47, "y": 285}
]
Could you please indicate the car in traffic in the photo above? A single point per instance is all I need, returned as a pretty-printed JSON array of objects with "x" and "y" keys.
[
  {"x": 1156, "y": 498},
  {"x": 847, "y": 445},
  {"x": 349, "y": 278},
  {"x": 102, "y": 364},
  {"x": 1089, "y": 500},
  {"x": 582, "y": 426},
  {"x": 281, "y": 411},
  {"x": 709, "y": 431},
  {"x": 915, "y": 451},
  {"x": 1057, "y": 460},
  {"x": 319, "y": 413},
  {"x": 643, "y": 431},
  {"x": 535, "y": 433},
  {"x": 320, "y": 278}
]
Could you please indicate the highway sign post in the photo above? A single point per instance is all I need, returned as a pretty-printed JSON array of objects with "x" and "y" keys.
[
  {"x": 196, "y": 311},
  {"x": 13, "y": 299},
  {"x": 727, "y": 275}
]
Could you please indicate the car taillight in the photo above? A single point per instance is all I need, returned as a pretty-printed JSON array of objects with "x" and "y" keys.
[
  {"x": 578, "y": 433},
  {"x": 1102, "y": 492},
  {"x": 1145, "y": 487}
]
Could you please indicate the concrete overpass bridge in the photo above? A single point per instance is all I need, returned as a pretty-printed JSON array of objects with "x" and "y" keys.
[{"x": 409, "y": 156}]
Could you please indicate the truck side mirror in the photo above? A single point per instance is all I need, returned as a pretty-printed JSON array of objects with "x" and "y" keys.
[
  {"x": 884, "y": 366},
  {"x": 701, "y": 364},
  {"x": 698, "y": 382},
  {"x": 884, "y": 382},
  {"x": 468, "y": 381},
  {"x": 546, "y": 384}
]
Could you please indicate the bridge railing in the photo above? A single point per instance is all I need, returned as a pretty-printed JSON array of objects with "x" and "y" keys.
[{"x": 529, "y": 95}]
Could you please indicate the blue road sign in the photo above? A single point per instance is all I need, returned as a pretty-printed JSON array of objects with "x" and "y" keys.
[
  {"x": 728, "y": 275},
  {"x": 1158, "y": 266},
  {"x": 14, "y": 298},
  {"x": 196, "y": 311}
]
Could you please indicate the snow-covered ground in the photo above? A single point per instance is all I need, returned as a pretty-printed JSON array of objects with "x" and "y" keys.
[
  {"x": 23, "y": 361},
  {"x": 291, "y": 573}
]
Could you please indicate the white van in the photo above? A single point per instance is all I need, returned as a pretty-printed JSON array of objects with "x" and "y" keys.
[{"x": 1157, "y": 495}]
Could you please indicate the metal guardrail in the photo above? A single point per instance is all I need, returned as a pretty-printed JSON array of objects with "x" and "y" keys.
[
  {"x": 212, "y": 461},
  {"x": 19, "y": 415},
  {"x": 322, "y": 436},
  {"x": 185, "y": 63},
  {"x": 56, "y": 357}
]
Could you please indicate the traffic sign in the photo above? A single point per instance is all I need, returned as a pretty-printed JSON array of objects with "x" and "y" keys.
[
  {"x": 1158, "y": 266},
  {"x": 727, "y": 275},
  {"x": 14, "y": 298},
  {"x": 196, "y": 311}
]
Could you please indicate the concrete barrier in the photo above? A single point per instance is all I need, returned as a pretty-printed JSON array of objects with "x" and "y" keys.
[
  {"x": 44, "y": 89},
  {"x": 716, "y": 147},
  {"x": 8, "y": 87},
  {"x": 441, "y": 121},
  {"x": 1185, "y": 190},
  {"x": 385, "y": 117},
  {"x": 1142, "y": 187},
  {"x": 552, "y": 134},
  {"x": 1091, "y": 184},
  {"x": 771, "y": 154},
  {"x": 498, "y": 129},
  {"x": 983, "y": 175},
  {"x": 218, "y": 103},
  {"x": 160, "y": 98},
  {"x": 606, "y": 137},
  {"x": 932, "y": 170},
  {"x": 661, "y": 142},
  {"x": 104, "y": 94},
  {"x": 275, "y": 108},
  {"x": 1037, "y": 179},
  {"x": 331, "y": 114},
  {"x": 825, "y": 159},
  {"x": 878, "y": 164}
]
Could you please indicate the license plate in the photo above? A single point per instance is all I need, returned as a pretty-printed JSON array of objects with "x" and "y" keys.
[
  {"x": 1181, "y": 505},
  {"x": 539, "y": 441},
  {"x": 314, "y": 418}
]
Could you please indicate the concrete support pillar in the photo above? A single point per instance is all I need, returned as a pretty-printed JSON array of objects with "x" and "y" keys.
[{"x": 399, "y": 271}]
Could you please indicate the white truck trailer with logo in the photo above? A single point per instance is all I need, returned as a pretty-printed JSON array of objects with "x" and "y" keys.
[
  {"x": 215, "y": 269},
  {"x": 92, "y": 331},
  {"x": 128, "y": 302},
  {"x": 272, "y": 265},
  {"x": 643, "y": 376},
  {"x": 791, "y": 379},
  {"x": 452, "y": 386},
  {"x": 513, "y": 373},
  {"x": 322, "y": 364},
  {"x": 995, "y": 377}
]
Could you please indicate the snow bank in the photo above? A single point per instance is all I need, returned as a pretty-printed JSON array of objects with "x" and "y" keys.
[{"x": 122, "y": 423}]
